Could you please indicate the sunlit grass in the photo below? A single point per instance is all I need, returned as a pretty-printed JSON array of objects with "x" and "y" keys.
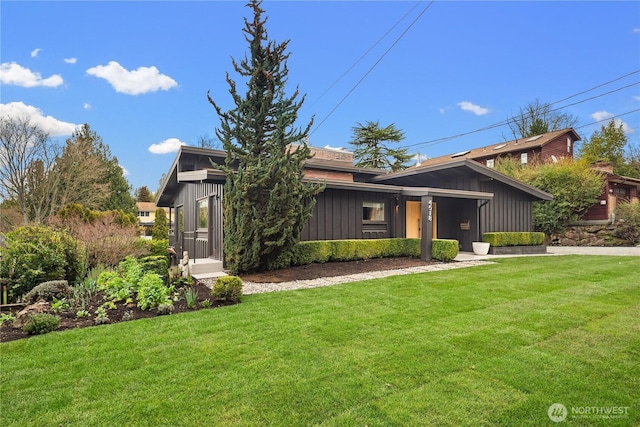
[{"x": 489, "y": 345}]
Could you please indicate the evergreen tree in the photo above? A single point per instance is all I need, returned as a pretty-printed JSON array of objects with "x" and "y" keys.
[
  {"x": 370, "y": 150},
  {"x": 266, "y": 202},
  {"x": 143, "y": 194},
  {"x": 537, "y": 118},
  {"x": 160, "y": 230}
]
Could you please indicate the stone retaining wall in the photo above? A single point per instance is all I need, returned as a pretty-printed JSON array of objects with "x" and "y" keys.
[{"x": 587, "y": 235}]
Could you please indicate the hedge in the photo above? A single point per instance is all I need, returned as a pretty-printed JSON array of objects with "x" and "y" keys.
[
  {"x": 321, "y": 251},
  {"x": 444, "y": 249},
  {"x": 513, "y": 238}
]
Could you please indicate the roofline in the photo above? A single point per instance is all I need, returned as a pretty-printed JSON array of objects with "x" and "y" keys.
[{"x": 473, "y": 165}]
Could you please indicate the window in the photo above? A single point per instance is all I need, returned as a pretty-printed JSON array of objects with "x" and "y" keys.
[
  {"x": 491, "y": 163},
  {"x": 203, "y": 213},
  {"x": 143, "y": 213},
  {"x": 373, "y": 211},
  {"x": 523, "y": 158},
  {"x": 180, "y": 218},
  {"x": 621, "y": 192},
  {"x": 568, "y": 145}
]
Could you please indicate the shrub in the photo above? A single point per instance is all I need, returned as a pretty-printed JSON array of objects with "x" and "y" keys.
[
  {"x": 131, "y": 271},
  {"x": 227, "y": 288},
  {"x": 165, "y": 308},
  {"x": 35, "y": 254},
  {"x": 513, "y": 238},
  {"x": 444, "y": 249},
  {"x": 41, "y": 323},
  {"x": 156, "y": 264},
  {"x": 628, "y": 228},
  {"x": 152, "y": 292},
  {"x": 48, "y": 291}
]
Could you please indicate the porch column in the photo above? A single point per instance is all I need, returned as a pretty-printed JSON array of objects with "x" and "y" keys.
[{"x": 427, "y": 227}]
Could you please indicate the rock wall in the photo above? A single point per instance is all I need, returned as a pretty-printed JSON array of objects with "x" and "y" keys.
[{"x": 587, "y": 235}]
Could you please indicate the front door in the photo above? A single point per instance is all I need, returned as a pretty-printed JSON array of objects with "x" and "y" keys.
[{"x": 414, "y": 220}]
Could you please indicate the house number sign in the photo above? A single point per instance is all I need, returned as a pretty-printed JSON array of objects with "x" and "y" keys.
[{"x": 429, "y": 210}]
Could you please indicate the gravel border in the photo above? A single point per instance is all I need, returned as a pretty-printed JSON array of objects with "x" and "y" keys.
[{"x": 259, "y": 288}]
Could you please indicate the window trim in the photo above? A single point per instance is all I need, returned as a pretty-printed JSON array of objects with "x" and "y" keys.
[{"x": 381, "y": 208}]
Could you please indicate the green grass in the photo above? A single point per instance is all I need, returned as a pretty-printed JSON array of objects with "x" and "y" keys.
[{"x": 490, "y": 345}]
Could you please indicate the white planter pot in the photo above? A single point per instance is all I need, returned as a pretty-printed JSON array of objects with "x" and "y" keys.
[{"x": 480, "y": 248}]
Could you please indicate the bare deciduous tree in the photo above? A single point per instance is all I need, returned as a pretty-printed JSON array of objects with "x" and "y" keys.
[
  {"x": 27, "y": 154},
  {"x": 537, "y": 118}
]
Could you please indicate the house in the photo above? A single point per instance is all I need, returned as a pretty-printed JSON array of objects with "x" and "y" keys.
[
  {"x": 616, "y": 189},
  {"x": 147, "y": 216},
  {"x": 547, "y": 147},
  {"x": 458, "y": 200}
]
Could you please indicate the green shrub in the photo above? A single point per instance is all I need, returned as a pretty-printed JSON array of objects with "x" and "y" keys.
[
  {"x": 513, "y": 238},
  {"x": 115, "y": 287},
  {"x": 36, "y": 254},
  {"x": 131, "y": 271},
  {"x": 152, "y": 292},
  {"x": 227, "y": 288},
  {"x": 156, "y": 264},
  {"x": 628, "y": 226},
  {"x": 48, "y": 291},
  {"x": 444, "y": 249},
  {"x": 41, "y": 323}
]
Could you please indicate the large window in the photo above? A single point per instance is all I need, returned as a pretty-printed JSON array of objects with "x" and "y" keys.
[
  {"x": 203, "y": 213},
  {"x": 373, "y": 211}
]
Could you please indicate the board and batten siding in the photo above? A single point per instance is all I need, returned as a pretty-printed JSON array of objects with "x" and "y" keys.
[
  {"x": 338, "y": 215},
  {"x": 510, "y": 209},
  {"x": 200, "y": 243}
]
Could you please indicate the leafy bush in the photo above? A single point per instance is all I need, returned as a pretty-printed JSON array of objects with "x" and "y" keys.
[
  {"x": 131, "y": 271},
  {"x": 41, "y": 323},
  {"x": 115, "y": 287},
  {"x": 628, "y": 215},
  {"x": 227, "y": 288},
  {"x": 152, "y": 292},
  {"x": 156, "y": 264},
  {"x": 48, "y": 291},
  {"x": 444, "y": 249},
  {"x": 513, "y": 238},
  {"x": 35, "y": 254}
]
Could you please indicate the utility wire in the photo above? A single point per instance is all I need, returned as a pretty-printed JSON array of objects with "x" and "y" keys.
[
  {"x": 363, "y": 55},
  {"x": 372, "y": 67},
  {"x": 507, "y": 121}
]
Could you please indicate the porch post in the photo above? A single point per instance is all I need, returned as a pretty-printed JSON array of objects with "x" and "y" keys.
[{"x": 427, "y": 227}]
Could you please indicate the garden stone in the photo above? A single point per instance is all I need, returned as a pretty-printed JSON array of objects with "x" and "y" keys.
[{"x": 41, "y": 306}]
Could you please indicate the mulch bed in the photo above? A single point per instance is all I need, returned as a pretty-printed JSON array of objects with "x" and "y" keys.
[{"x": 68, "y": 320}]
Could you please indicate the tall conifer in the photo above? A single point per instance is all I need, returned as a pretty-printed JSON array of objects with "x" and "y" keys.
[{"x": 266, "y": 202}]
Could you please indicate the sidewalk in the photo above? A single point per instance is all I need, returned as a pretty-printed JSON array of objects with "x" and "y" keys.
[{"x": 562, "y": 250}]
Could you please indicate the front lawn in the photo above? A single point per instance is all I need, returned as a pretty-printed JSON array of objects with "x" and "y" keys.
[{"x": 490, "y": 345}]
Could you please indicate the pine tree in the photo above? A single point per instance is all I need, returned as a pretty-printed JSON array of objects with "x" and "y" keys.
[
  {"x": 143, "y": 194},
  {"x": 372, "y": 152},
  {"x": 266, "y": 202},
  {"x": 160, "y": 230}
]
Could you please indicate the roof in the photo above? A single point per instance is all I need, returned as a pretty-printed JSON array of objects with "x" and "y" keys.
[
  {"x": 499, "y": 148},
  {"x": 146, "y": 206},
  {"x": 443, "y": 171}
]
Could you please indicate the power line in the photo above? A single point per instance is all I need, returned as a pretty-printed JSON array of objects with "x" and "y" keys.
[
  {"x": 507, "y": 121},
  {"x": 372, "y": 67},
  {"x": 364, "y": 55}
]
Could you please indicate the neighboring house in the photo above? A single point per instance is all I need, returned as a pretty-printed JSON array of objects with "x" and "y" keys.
[
  {"x": 617, "y": 189},
  {"x": 147, "y": 216},
  {"x": 550, "y": 146},
  {"x": 458, "y": 200}
]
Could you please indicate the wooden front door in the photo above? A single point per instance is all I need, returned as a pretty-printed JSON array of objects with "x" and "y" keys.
[{"x": 414, "y": 220}]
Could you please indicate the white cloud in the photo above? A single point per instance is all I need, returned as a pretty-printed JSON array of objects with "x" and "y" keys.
[
  {"x": 605, "y": 115},
  {"x": 636, "y": 30},
  {"x": 15, "y": 74},
  {"x": 48, "y": 124},
  {"x": 125, "y": 172},
  {"x": 637, "y": 98},
  {"x": 86, "y": 106},
  {"x": 70, "y": 60},
  {"x": 35, "y": 52},
  {"x": 170, "y": 145},
  {"x": 475, "y": 109},
  {"x": 135, "y": 82}
]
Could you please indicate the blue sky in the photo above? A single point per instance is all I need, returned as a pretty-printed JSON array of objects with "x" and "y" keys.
[{"x": 138, "y": 72}]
